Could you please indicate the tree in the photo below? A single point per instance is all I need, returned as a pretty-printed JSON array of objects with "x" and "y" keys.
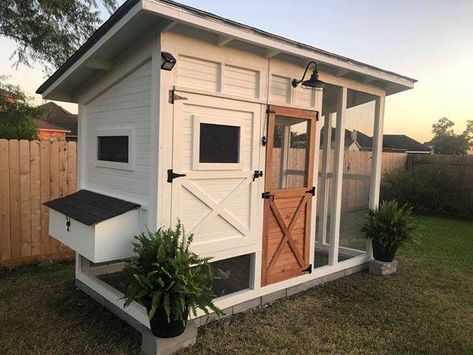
[
  {"x": 16, "y": 113},
  {"x": 445, "y": 141},
  {"x": 443, "y": 127},
  {"x": 468, "y": 132},
  {"x": 454, "y": 145},
  {"x": 49, "y": 31}
]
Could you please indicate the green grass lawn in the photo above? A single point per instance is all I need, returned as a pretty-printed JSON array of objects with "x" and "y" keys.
[{"x": 427, "y": 307}]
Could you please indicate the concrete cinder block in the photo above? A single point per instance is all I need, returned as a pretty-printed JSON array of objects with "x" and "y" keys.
[
  {"x": 334, "y": 276},
  {"x": 274, "y": 296},
  {"x": 152, "y": 345},
  {"x": 242, "y": 307},
  {"x": 298, "y": 288},
  {"x": 383, "y": 268},
  {"x": 355, "y": 269},
  {"x": 227, "y": 312}
]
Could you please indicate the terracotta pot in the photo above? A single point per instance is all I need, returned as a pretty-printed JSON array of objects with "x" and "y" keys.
[{"x": 382, "y": 254}]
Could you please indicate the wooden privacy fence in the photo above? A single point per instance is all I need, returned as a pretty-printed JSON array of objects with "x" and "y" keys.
[
  {"x": 457, "y": 169},
  {"x": 32, "y": 172},
  {"x": 357, "y": 167}
]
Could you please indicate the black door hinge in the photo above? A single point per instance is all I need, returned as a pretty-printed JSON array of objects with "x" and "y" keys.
[
  {"x": 308, "y": 269},
  {"x": 257, "y": 174},
  {"x": 174, "y": 97},
  {"x": 172, "y": 175},
  {"x": 264, "y": 141},
  {"x": 267, "y": 195},
  {"x": 311, "y": 191}
]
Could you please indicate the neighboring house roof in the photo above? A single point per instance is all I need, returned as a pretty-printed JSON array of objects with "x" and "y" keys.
[
  {"x": 136, "y": 17},
  {"x": 401, "y": 142},
  {"x": 364, "y": 142},
  {"x": 41, "y": 124},
  {"x": 60, "y": 117},
  {"x": 391, "y": 142}
]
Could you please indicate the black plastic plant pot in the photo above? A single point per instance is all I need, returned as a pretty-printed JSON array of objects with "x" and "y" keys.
[
  {"x": 382, "y": 254},
  {"x": 160, "y": 326}
]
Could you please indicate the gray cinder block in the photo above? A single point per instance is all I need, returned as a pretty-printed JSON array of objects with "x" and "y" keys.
[
  {"x": 383, "y": 268},
  {"x": 152, "y": 345}
]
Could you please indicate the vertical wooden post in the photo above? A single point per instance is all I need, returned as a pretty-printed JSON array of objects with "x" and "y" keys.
[
  {"x": 285, "y": 149},
  {"x": 15, "y": 227},
  {"x": 25, "y": 198},
  {"x": 338, "y": 175},
  {"x": 325, "y": 186},
  {"x": 35, "y": 169},
  {"x": 4, "y": 201},
  {"x": 45, "y": 195},
  {"x": 377, "y": 152}
]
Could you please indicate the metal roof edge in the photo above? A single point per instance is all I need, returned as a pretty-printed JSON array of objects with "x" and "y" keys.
[{"x": 129, "y": 4}]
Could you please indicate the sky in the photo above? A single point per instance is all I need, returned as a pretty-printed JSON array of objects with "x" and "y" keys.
[{"x": 429, "y": 40}]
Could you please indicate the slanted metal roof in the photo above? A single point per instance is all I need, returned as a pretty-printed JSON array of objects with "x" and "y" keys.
[
  {"x": 89, "y": 207},
  {"x": 164, "y": 8}
]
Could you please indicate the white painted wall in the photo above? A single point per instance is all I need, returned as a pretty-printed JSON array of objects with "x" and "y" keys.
[{"x": 126, "y": 105}]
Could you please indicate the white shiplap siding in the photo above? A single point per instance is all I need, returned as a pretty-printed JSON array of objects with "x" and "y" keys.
[
  {"x": 125, "y": 105},
  {"x": 198, "y": 73}
]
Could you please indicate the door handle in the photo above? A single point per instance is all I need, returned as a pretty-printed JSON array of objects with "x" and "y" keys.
[{"x": 172, "y": 175}]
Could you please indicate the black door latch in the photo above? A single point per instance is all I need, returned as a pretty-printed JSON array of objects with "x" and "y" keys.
[
  {"x": 267, "y": 196},
  {"x": 257, "y": 174},
  {"x": 172, "y": 175},
  {"x": 311, "y": 191}
]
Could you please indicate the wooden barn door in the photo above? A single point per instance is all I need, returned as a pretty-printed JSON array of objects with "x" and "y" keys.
[{"x": 288, "y": 193}]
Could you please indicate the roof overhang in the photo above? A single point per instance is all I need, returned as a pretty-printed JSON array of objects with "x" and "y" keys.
[{"x": 135, "y": 18}]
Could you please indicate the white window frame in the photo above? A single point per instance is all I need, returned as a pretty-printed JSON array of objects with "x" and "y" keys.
[
  {"x": 109, "y": 132},
  {"x": 196, "y": 164}
]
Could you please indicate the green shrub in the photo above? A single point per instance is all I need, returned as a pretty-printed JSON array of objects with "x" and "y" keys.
[
  {"x": 164, "y": 273},
  {"x": 390, "y": 225},
  {"x": 17, "y": 113},
  {"x": 428, "y": 189}
]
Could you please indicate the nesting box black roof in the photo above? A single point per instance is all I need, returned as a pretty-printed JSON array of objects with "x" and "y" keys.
[{"x": 89, "y": 207}]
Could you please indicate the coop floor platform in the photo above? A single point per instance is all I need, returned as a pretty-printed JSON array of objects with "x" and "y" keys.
[{"x": 242, "y": 307}]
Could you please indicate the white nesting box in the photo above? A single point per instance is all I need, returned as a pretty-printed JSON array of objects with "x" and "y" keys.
[{"x": 99, "y": 227}]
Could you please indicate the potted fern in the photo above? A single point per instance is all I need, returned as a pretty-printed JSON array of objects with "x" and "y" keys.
[
  {"x": 169, "y": 280},
  {"x": 389, "y": 226}
]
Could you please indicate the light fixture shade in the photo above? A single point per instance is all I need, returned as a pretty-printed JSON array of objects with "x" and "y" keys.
[
  {"x": 168, "y": 61},
  {"x": 313, "y": 82}
]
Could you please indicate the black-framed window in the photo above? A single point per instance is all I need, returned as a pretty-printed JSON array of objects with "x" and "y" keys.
[
  {"x": 113, "y": 148},
  {"x": 219, "y": 143}
]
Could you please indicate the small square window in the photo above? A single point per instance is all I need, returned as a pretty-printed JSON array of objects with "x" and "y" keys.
[
  {"x": 113, "y": 148},
  {"x": 219, "y": 143}
]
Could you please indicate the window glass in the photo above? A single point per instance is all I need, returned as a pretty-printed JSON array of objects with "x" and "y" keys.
[
  {"x": 219, "y": 143},
  {"x": 290, "y": 153},
  {"x": 357, "y": 169},
  {"x": 231, "y": 275},
  {"x": 328, "y": 132},
  {"x": 113, "y": 148}
]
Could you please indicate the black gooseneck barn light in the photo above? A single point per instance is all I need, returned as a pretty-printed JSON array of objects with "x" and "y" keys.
[{"x": 313, "y": 83}]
